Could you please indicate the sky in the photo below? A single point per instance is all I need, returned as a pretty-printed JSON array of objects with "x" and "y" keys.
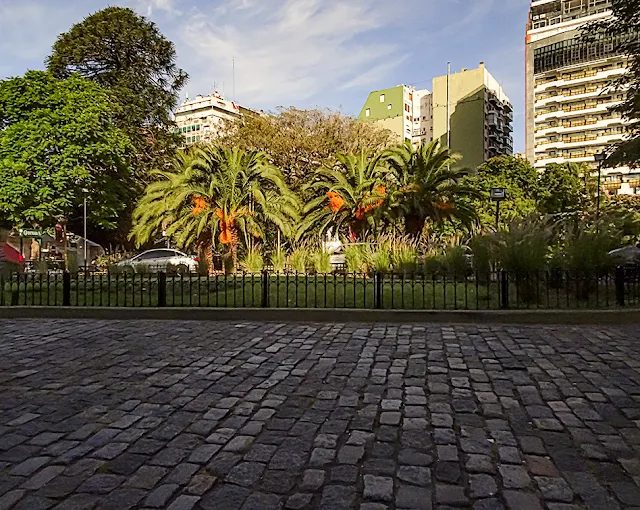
[{"x": 302, "y": 53}]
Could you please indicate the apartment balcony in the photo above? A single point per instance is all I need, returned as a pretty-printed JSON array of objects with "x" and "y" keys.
[
  {"x": 580, "y": 77},
  {"x": 576, "y": 111},
  {"x": 492, "y": 119}
]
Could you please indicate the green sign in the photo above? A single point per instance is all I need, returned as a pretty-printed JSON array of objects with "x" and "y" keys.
[{"x": 31, "y": 233}]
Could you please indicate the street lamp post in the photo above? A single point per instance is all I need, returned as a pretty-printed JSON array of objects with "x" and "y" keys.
[
  {"x": 84, "y": 243},
  {"x": 600, "y": 158},
  {"x": 498, "y": 195}
]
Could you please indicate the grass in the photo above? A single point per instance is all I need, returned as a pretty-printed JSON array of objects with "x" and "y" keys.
[{"x": 305, "y": 291}]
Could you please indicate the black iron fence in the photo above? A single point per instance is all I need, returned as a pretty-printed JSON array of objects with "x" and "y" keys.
[{"x": 404, "y": 291}]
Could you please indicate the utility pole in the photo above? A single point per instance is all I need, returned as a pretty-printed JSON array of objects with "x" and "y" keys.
[{"x": 449, "y": 105}]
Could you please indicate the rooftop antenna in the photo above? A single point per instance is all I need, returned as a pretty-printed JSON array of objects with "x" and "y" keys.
[{"x": 233, "y": 61}]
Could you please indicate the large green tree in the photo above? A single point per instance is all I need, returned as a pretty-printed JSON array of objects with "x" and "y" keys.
[
  {"x": 128, "y": 56},
  {"x": 565, "y": 188},
  {"x": 216, "y": 195},
  {"x": 426, "y": 187},
  {"x": 622, "y": 31},
  {"x": 58, "y": 137},
  {"x": 302, "y": 141},
  {"x": 519, "y": 179}
]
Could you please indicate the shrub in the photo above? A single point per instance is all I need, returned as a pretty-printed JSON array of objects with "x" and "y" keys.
[
  {"x": 142, "y": 269},
  {"x": 278, "y": 261},
  {"x": 481, "y": 249},
  {"x": 523, "y": 247},
  {"x": 380, "y": 260},
  {"x": 253, "y": 261},
  {"x": 321, "y": 261},
  {"x": 455, "y": 261},
  {"x": 356, "y": 258},
  {"x": 41, "y": 267},
  {"x": 404, "y": 255},
  {"x": 299, "y": 259}
]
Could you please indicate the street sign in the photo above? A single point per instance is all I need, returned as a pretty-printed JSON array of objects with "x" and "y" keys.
[
  {"x": 31, "y": 233},
  {"x": 498, "y": 194}
]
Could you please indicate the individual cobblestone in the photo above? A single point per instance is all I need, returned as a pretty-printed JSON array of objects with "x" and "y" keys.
[{"x": 246, "y": 416}]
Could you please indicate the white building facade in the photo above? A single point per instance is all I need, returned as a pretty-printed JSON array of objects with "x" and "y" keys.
[
  {"x": 205, "y": 117},
  {"x": 568, "y": 92}
]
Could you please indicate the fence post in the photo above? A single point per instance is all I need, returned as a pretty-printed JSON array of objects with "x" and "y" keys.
[
  {"x": 620, "y": 285},
  {"x": 377, "y": 291},
  {"x": 265, "y": 289},
  {"x": 162, "y": 289},
  {"x": 504, "y": 290},
  {"x": 15, "y": 293},
  {"x": 66, "y": 288}
]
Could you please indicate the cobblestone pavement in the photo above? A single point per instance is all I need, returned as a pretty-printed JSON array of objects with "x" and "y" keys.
[{"x": 224, "y": 416}]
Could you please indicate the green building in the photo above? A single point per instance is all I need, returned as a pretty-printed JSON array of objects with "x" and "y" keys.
[{"x": 478, "y": 124}]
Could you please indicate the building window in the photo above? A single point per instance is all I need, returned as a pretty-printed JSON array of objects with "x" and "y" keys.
[
  {"x": 389, "y": 106},
  {"x": 382, "y": 98},
  {"x": 367, "y": 112}
]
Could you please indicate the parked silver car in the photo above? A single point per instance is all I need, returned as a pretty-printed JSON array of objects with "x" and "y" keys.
[{"x": 158, "y": 260}]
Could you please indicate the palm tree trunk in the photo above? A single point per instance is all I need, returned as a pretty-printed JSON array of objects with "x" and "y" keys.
[
  {"x": 205, "y": 252},
  {"x": 414, "y": 225}
]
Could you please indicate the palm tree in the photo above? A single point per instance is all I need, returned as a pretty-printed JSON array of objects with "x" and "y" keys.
[
  {"x": 350, "y": 193},
  {"x": 427, "y": 187},
  {"x": 216, "y": 193}
]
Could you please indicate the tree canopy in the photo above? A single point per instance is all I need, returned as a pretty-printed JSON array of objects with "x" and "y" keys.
[
  {"x": 565, "y": 188},
  {"x": 519, "y": 179},
  {"x": 302, "y": 141},
  {"x": 57, "y": 137},
  {"x": 126, "y": 54}
]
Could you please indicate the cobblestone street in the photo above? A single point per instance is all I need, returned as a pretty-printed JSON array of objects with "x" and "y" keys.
[{"x": 226, "y": 416}]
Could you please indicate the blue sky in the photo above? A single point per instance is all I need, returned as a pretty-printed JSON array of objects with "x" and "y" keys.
[{"x": 303, "y": 53}]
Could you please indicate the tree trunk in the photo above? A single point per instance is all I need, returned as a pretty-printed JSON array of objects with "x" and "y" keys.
[{"x": 205, "y": 253}]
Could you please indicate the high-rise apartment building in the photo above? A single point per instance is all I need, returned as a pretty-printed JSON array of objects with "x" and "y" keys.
[
  {"x": 480, "y": 114},
  {"x": 205, "y": 117},
  {"x": 402, "y": 110},
  {"x": 568, "y": 93}
]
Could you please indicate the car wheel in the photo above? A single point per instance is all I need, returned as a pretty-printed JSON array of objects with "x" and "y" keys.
[{"x": 182, "y": 269}]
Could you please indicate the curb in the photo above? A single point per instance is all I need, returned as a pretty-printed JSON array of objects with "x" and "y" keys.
[{"x": 577, "y": 317}]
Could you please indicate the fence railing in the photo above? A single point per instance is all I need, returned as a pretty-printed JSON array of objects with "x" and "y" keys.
[{"x": 404, "y": 291}]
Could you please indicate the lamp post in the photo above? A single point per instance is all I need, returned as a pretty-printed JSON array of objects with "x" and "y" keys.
[
  {"x": 600, "y": 157},
  {"x": 498, "y": 195},
  {"x": 84, "y": 242}
]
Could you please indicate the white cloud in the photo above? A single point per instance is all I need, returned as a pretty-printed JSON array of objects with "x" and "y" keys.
[
  {"x": 287, "y": 51},
  {"x": 150, "y": 6}
]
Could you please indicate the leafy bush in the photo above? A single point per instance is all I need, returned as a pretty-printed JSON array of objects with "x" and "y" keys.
[
  {"x": 524, "y": 246},
  {"x": 321, "y": 261},
  {"x": 455, "y": 261},
  {"x": 585, "y": 248},
  {"x": 404, "y": 255},
  {"x": 299, "y": 258},
  {"x": 357, "y": 258},
  {"x": 278, "y": 261},
  {"x": 253, "y": 261},
  {"x": 41, "y": 267},
  {"x": 481, "y": 249},
  {"x": 142, "y": 269},
  {"x": 380, "y": 259}
]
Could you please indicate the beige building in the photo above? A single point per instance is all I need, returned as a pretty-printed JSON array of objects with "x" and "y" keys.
[
  {"x": 568, "y": 97},
  {"x": 479, "y": 112}
]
